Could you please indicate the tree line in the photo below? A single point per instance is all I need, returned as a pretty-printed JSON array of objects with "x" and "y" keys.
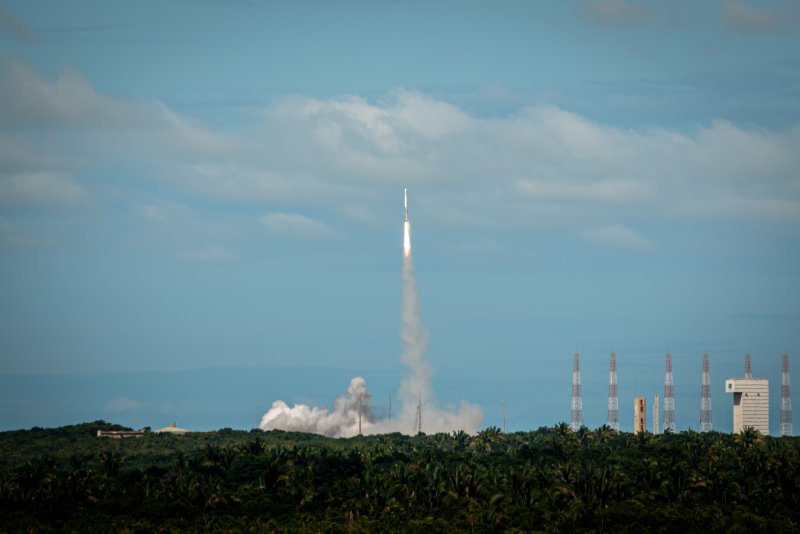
[{"x": 551, "y": 479}]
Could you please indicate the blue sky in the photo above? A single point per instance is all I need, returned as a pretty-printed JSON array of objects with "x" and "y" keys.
[{"x": 198, "y": 185}]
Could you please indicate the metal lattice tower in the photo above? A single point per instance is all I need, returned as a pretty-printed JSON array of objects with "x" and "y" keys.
[
  {"x": 503, "y": 416},
  {"x": 655, "y": 415},
  {"x": 577, "y": 402},
  {"x": 705, "y": 398},
  {"x": 669, "y": 397},
  {"x": 613, "y": 399},
  {"x": 748, "y": 369},
  {"x": 786, "y": 398}
]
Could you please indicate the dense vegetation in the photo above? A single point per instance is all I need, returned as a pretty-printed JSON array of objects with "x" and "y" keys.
[{"x": 551, "y": 479}]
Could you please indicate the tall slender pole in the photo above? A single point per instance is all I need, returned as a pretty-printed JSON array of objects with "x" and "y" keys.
[
  {"x": 655, "y": 415},
  {"x": 503, "y": 417},
  {"x": 786, "y": 398},
  {"x": 577, "y": 402},
  {"x": 613, "y": 399},
  {"x": 669, "y": 397},
  {"x": 705, "y": 397}
]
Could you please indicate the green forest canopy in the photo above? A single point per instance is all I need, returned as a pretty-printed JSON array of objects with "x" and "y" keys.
[{"x": 549, "y": 479}]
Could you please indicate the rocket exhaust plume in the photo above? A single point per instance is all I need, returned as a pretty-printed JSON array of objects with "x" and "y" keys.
[
  {"x": 352, "y": 413},
  {"x": 406, "y": 228}
]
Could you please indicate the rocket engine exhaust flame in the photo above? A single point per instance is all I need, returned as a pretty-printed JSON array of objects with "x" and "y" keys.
[
  {"x": 406, "y": 239},
  {"x": 353, "y": 412}
]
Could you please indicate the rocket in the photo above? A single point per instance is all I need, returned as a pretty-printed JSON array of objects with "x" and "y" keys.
[{"x": 405, "y": 203}]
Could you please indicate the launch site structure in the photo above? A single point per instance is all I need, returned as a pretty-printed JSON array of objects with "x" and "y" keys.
[
  {"x": 705, "y": 397},
  {"x": 613, "y": 399},
  {"x": 655, "y": 415},
  {"x": 639, "y": 415},
  {"x": 669, "y": 397},
  {"x": 786, "y": 398},
  {"x": 577, "y": 401},
  {"x": 750, "y": 403}
]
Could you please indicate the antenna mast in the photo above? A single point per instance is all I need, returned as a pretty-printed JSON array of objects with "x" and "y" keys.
[
  {"x": 577, "y": 402},
  {"x": 613, "y": 399},
  {"x": 786, "y": 398},
  {"x": 503, "y": 417},
  {"x": 655, "y": 415},
  {"x": 705, "y": 398},
  {"x": 669, "y": 397}
]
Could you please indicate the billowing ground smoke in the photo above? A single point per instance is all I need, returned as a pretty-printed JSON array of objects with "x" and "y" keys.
[
  {"x": 342, "y": 421},
  {"x": 416, "y": 397}
]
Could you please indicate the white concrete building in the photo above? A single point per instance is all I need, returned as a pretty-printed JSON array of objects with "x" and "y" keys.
[{"x": 750, "y": 403}]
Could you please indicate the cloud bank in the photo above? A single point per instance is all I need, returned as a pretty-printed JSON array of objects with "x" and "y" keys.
[{"x": 540, "y": 166}]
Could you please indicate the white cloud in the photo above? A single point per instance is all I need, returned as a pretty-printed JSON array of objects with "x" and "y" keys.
[
  {"x": 251, "y": 184},
  {"x": 617, "y": 235},
  {"x": 69, "y": 101},
  {"x": 122, "y": 404},
  {"x": 20, "y": 155},
  {"x": 40, "y": 189},
  {"x": 294, "y": 225},
  {"x": 542, "y": 165}
]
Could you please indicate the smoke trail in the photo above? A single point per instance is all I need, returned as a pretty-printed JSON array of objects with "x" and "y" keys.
[
  {"x": 419, "y": 409},
  {"x": 414, "y": 337},
  {"x": 416, "y": 394}
]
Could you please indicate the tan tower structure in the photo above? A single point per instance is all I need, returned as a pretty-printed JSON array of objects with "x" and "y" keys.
[
  {"x": 750, "y": 403},
  {"x": 639, "y": 415}
]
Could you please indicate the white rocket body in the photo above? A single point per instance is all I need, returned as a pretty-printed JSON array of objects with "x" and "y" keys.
[{"x": 405, "y": 203}]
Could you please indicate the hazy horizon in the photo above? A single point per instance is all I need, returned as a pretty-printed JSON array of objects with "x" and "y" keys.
[{"x": 197, "y": 185}]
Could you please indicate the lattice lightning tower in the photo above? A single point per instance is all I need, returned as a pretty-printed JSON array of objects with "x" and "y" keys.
[
  {"x": 577, "y": 402},
  {"x": 669, "y": 397},
  {"x": 705, "y": 398},
  {"x": 655, "y": 415},
  {"x": 748, "y": 369},
  {"x": 613, "y": 400},
  {"x": 786, "y": 399}
]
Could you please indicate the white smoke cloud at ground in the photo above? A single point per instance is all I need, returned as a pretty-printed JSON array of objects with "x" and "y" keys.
[
  {"x": 341, "y": 421},
  {"x": 418, "y": 410}
]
